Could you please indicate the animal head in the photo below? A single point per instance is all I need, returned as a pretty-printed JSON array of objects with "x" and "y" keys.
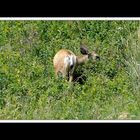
[{"x": 91, "y": 55}]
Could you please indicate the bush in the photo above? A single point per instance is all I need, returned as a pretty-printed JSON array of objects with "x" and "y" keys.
[{"x": 108, "y": 89}]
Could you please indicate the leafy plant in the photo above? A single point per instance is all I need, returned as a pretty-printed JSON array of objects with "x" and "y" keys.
[{"x": 108, "y": 89}]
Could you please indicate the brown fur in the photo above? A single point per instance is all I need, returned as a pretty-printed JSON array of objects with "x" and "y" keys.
[
  {"x": 59, "y": 65},
  {"x": 58, "y": 61}
]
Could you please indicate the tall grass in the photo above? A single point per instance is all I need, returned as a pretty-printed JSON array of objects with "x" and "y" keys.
[
  {"x": 133, "y": 60},
  {"x": 108, "y": 89}
]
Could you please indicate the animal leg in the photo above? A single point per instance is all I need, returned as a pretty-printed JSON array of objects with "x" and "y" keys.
[{"x": 70, "y": 78}]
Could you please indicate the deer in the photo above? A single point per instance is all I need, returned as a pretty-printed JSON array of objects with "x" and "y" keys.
[{"x": 65, "y": 61}]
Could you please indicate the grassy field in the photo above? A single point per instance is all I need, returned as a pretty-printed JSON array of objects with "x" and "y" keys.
[{"x": 108, "y": 89}]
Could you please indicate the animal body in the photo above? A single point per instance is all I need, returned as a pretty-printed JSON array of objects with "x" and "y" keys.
[{"x": 65, "y": 61}]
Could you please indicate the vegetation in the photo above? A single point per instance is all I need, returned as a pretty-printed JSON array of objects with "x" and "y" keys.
[{"x": 108, "y": 89}]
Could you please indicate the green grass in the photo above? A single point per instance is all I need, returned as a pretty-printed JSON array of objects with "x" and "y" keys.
[{"x": 108, "y": 89}]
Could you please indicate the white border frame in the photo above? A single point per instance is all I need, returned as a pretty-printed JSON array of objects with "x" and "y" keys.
[
  {"x": 69, "y": 121},
  {"x": 62, "y": 19},
  {"x": 69, "y": 18}
]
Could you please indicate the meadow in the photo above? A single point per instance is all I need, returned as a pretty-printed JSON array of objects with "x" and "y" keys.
[{"x": 106, "y": 90}]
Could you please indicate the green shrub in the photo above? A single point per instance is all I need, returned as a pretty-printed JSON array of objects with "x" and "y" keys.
[{"x": 108, "y": 89}]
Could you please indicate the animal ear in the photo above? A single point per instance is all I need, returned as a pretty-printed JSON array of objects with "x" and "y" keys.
[{"x": 84, "y": 50}]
